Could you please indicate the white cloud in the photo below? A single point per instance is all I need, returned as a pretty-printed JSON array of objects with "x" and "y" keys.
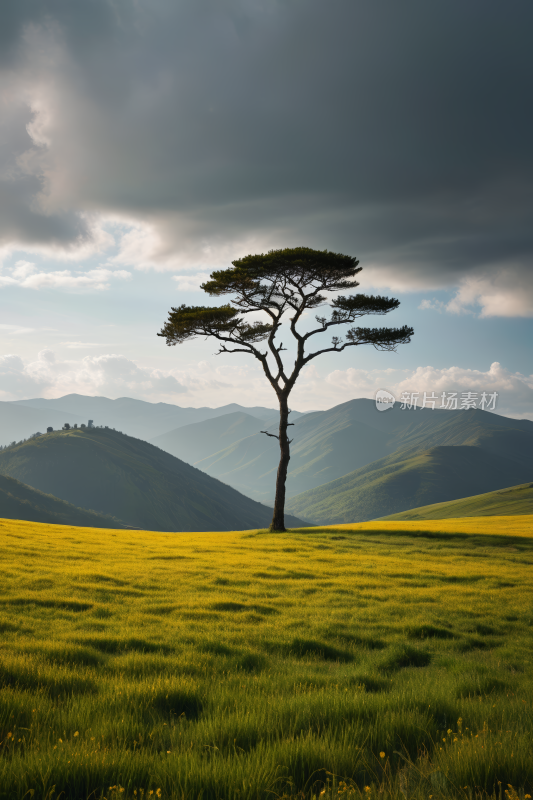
[
  {"x": 190, "y": 283},
  {"x": 505, "y": 293},
  {"x": 22, "y": 269},
  {"x": 114, "y": 375},
  {"x": 432, "y": 305},
  {"x": 111, "y": 374},
  {"x": 25, "y": 276},
  {"x": 515, "y": 390}
]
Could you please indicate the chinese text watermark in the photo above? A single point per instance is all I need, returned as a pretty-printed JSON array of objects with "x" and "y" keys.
[{"x": 451, "y": 401}]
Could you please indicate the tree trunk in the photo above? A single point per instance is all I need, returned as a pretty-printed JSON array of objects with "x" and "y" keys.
[{"x": 278, "y": 520}]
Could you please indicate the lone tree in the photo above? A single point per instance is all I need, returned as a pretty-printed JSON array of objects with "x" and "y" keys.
[{"x": 291, "y": 280}]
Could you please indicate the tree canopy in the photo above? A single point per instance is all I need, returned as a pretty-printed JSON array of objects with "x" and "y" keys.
[{"x": 287, "y": 281}]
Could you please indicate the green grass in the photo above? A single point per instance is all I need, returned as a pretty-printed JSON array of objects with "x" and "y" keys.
[
  {"x": 512, "y": 501},
  {"x": 379, "y": 659}
]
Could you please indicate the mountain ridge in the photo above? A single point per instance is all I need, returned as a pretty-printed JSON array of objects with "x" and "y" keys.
[
  {"x": 329, "y": 444},
  {"x": 138, "y": 418}
]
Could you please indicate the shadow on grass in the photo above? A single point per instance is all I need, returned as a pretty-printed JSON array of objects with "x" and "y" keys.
[
  {"x": 405, "y": 656},
  {"x": 53, "y": 683},
  {"x": 476, "y": 539},
  {"x": 303, "y": 648},
  {"x": 113, "y": 646},
  {"x": 177, "y": 703},
  {"x": 429, "y": 632},
  {"x": 68, "y": 605},
  {"x": 237, "y": 607}
]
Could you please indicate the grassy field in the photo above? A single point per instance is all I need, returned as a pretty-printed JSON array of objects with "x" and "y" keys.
[
  {"x": 372, "y": 660},
  {"x": 512, "y": 501}
]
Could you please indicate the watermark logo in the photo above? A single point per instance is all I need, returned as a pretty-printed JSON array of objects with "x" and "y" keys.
[
  {"x": 451, "y": 401},
  {"x": 384, "y": 400}
]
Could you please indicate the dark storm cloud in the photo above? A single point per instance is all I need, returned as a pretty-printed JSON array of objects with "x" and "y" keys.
[{"x": 398, "y": 132}]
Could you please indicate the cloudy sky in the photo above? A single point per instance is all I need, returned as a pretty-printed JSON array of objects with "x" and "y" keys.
[{"x": 144, "y": 143}]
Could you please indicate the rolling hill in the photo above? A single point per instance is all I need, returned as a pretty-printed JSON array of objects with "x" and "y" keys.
[
  {"x": 404, "y": 481},
  {"x": 505, "y": 502},
  {"x": 20, "y": 422},
  {"x": 19, "y": 501},
  {"x": 114, "y": 474}
]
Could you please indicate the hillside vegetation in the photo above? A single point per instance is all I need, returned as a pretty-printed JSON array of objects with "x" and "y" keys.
[
  {"x": 512, "y": 501},
  {"x": 385, "y": 660},
  {"x": 114, "y": 474},
  {"x": 19, "y": 501},
  {"x": 328, "y": 445},
  {"x": 404, "y": 481}
]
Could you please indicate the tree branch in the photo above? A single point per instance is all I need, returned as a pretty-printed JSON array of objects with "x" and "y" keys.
[{"x": 270, "y": 434}]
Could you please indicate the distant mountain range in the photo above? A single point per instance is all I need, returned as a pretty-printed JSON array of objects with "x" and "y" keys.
[
  {"x": 19, "y": 501},
  {"x": 118, "y": 475},
  {"x": 21, "y": 418},
  {"x": 350, "y": 463},
  {"x": 331, "y": 445},
  {"x": 326, "y": 445},
  {"x": 515, "y": 500}
]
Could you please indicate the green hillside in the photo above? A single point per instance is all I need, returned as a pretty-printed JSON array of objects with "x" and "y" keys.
[
  {"x": 511, "y": 438},
  {"x": 326, "y": 445},
  {"x": 330, "y": 444},
  {"x": 401, "y": 481},
  {"x": 19, "y": 501},
  {"x": 192, "y": 443},
  {"x": 114, "y": 474},
  {"x": 505, "y": 502}
]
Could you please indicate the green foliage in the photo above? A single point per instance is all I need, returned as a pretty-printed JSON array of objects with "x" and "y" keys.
[
  {"x": 380, "y": 338},
  {"x": 297, "y": 265},
  {"x": 218, "y": 699},
  {"x": 187, "y": 322}
]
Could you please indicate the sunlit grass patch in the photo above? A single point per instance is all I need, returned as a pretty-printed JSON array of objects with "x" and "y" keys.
[{"x": 253, "y": 664}]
